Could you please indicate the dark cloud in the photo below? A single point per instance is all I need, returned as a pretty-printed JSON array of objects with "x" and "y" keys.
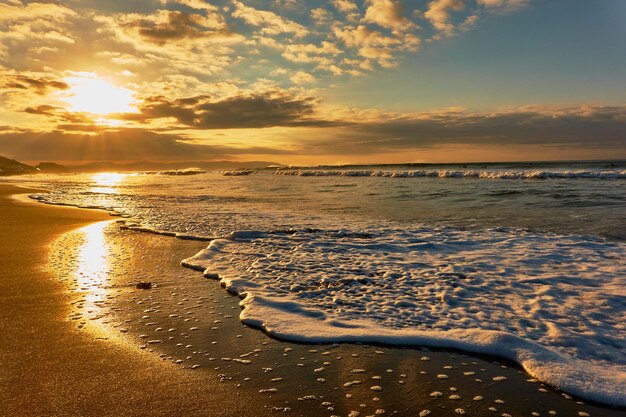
[
  {"x": 255, "y": 111},
  {"x": 159, "y": 107},
  {"x": 4, "y": 128},
  {"x": 175, "y": 26},
  {"x": 243, "y": 111},
  {"x": 78, "y": 127},
  {"x": 74, "y": 121},
  {"x": 74, "y": 117},
  {"x": 590, "y": 127},
  {"x": 115, "y": 145},
  {"x": 44, "y": 109},
  {"x": 179, "y": 25},
  {"x": 39, "y": 85}
]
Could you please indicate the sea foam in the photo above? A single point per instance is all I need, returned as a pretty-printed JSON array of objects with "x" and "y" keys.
[
  {"x": 552, "y": 303},
  {"x": 484, "y": 174},
  {"x": 237, "y": 172},
  {"x": 178, "y": 172}
]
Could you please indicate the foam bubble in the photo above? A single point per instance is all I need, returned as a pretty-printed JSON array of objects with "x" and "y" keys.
[{"x": 552, "y": 303}]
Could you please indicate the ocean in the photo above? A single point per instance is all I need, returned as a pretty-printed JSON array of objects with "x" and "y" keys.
[{"x": 526, "y": 261}]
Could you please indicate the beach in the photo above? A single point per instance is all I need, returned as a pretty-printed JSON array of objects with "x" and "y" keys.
[
  {"x": 101, "y": 346},
  {"x": 350, "y": 208}
]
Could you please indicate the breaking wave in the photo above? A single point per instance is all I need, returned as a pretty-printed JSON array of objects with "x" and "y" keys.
[{"x": 495, "y": 174}]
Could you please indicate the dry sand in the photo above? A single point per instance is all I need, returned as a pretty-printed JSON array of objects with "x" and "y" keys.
[{"x": 86, "y": 341}]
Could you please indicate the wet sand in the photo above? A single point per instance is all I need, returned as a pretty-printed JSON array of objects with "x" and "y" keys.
[
  {"x": 51, "y": 369},
  {"x": 81, "y": 327}
]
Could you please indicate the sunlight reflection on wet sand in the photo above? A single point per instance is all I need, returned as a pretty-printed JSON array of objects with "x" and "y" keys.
[
  {"x": 92, "y": 266},
  {"x": 84, "y": 260}
]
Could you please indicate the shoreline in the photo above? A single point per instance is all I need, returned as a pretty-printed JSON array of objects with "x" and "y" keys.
[
  {"x": 394, "y": 357},
  {"x": 275, "y": 318}
]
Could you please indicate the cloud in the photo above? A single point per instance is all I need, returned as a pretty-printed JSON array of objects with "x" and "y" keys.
[
  {"x": 577, "y": 126},
  {"x": 168, "y": 42},
  {"x": 79, "y": 127},
  {"x": 269, "y": 22},
  {"x": 321, "y": 16},
  {"x": 348, "y": 8},
  {"x": 44, "y": 109},
  {"x": 503, "y": 5},
  {"x": 373, "y": 44},
  {"x": 66, "y": 120},
  {"x": 193, "y": 4},
  {"x": 29, "y": 30},
  {"x": 278, "y": 72},
  {"x": 381, "y": 36},
  {"x": 17, "y": 11},
  {"x": 439, "y": 12},
  {"x": 167, "y": 26},
  {"x": 254, "y": 110},
  {"x": 39, "y": 85},
  {"x": 302, "y": 77},
  {"x": 310, "y": 53},
  {"x": 388, "y": 14},
  {"x": 22, "y": 89}
]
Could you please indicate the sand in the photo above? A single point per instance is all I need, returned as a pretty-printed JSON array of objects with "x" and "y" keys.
[
  {"x": 81, "y": 339},
  {"x": 49, "y": 368}
]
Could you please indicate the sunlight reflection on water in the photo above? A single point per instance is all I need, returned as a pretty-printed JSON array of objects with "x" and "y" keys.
[{"x": 106, "y": 182}]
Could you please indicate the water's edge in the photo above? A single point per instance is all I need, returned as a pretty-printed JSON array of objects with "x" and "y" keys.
[{"x": 573, "y": 377}]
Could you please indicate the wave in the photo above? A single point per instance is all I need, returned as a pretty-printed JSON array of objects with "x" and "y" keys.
[
  {"x": 237, "y": 172},
  {"x": 175, "y": 172},
  {"x": 523, "y": 175},
  {"x": 508, "y": 293}
]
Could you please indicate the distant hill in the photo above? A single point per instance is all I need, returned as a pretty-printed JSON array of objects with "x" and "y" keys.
[
  {"x": 13, "y": 167},
  {"x": 51, "y": 167},
  {"x": 161, "y": 166}
]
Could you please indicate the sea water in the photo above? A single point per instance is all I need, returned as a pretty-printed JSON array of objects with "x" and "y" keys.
[{"x": 524, "y": 261}]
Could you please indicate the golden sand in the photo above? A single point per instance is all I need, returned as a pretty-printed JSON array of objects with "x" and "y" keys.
[{"x": 49, "y": 368}]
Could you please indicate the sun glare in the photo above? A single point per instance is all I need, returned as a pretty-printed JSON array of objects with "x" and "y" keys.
[
  {"x": 106, "y": 182},
  {"x": 108, "y": 179},
  {"x": 94, "y": 95}
]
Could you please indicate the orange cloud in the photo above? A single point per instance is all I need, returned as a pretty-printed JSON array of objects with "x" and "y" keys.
[
  {"x": 269, "y": 22},
  {"x": 389, "y": 14}
]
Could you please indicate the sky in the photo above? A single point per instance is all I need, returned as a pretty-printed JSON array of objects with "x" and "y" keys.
[{"x": 313, "y": 82}]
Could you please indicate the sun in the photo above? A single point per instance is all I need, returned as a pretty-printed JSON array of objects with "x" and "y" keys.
[{"x": 90, "y": 94}]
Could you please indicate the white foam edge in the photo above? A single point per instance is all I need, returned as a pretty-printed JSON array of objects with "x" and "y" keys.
[
  {"x": 290, "y": 321},
  {"x": 177, "y": 235},
  {"x": 477, "y": 174}
]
